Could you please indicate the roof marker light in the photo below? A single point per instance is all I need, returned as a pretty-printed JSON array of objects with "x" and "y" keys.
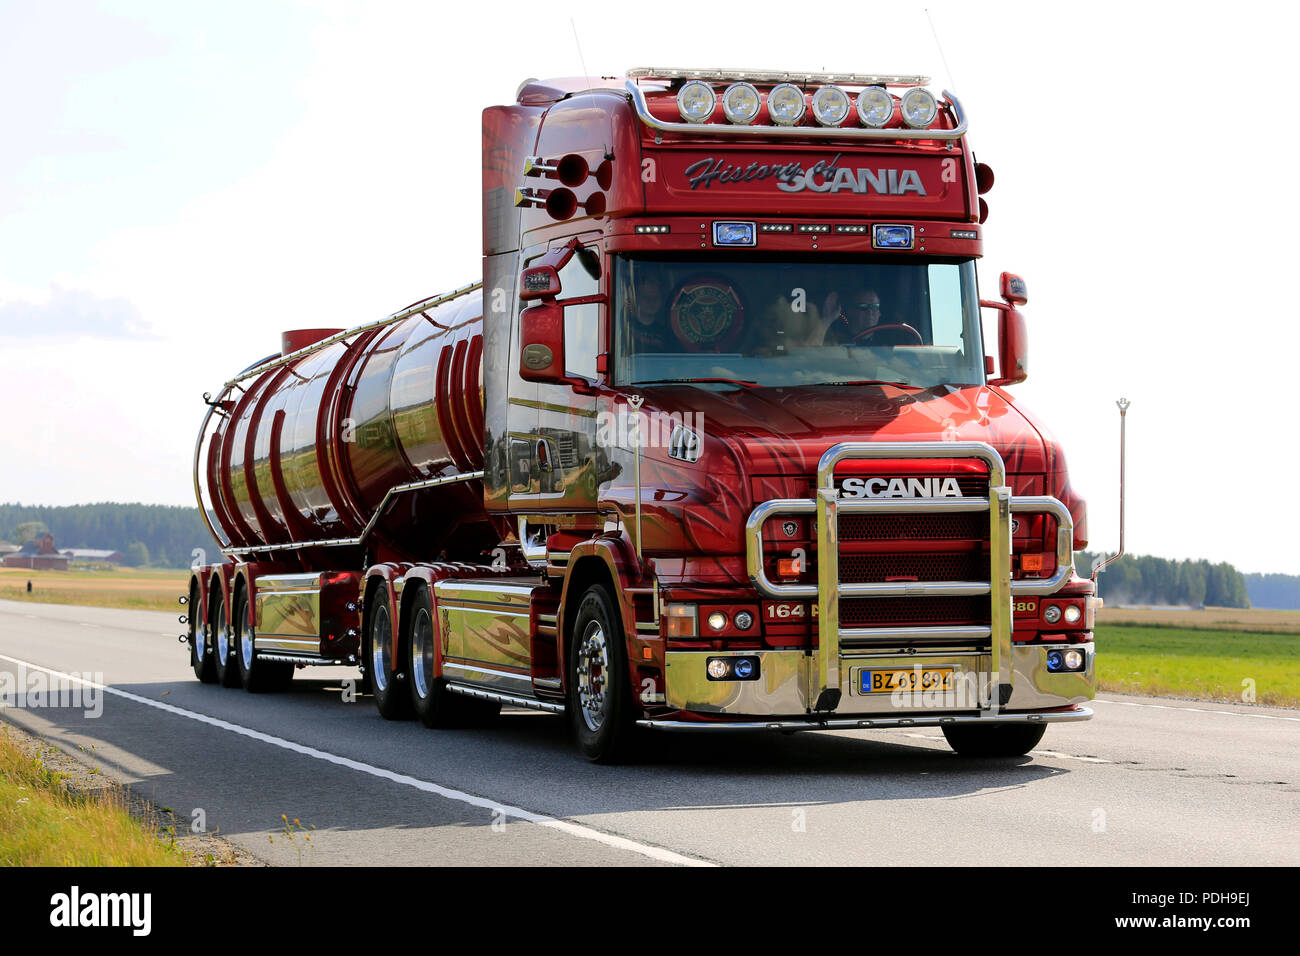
[{"x": 695, "y": 101}]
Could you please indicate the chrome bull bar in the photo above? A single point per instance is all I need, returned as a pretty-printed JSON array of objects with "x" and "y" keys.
[{"x": 828, "y": 506}]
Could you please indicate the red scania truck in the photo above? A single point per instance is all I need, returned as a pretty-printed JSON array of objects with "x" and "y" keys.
[{"x": 715, "y": 444}]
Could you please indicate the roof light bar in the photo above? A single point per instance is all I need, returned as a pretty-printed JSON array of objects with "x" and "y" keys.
[{"x": 776, "y": 76}]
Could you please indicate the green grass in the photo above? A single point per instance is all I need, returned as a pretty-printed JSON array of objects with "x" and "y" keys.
[
  {"x": 43, "y": 824},
  {"x": 1207, "y": 664}
]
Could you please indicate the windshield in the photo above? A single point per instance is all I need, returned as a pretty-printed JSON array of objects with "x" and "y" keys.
[{"x": 732, "y": 321}]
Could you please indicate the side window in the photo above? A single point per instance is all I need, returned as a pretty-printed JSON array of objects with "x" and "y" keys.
[{"x": 580, "y": 278}]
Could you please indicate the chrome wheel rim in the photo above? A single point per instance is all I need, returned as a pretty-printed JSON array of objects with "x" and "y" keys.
[
  {"x": 223, "y": 636},
  {"x": 381, "y": 654},
  {"x": 422, "y": 653},
  {"x": 593, "y": 675},
  {"x": 246, "y": 646},
  {"x": 200, "y": 643}
]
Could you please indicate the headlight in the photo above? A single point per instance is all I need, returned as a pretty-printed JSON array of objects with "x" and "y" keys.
[
  {"x": 717, "y": 620},
  {"x": 785, "y": 104},
  {"x": 1052, "y": 614},
  {"x": 1072, "y": 614},
  {"x": 743, "y": 620},
  {"x": 875, "y": 107},
  {"x": 718, "y": 668},
  {"x": 830, "y": 106},
  {"x": 740, "y": 103},
  {"x": 919, "y": 108},
  {"x": 1074, "y": 660},
  {"x": 695, "y": 101}
]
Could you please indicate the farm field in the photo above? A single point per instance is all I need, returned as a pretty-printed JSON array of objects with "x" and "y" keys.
[
  {"x": 136, "y": 589},
  {"x": 1213, "y": 618}
]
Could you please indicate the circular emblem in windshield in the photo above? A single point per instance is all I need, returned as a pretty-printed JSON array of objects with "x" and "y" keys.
[{"x": 707, "y": 314}]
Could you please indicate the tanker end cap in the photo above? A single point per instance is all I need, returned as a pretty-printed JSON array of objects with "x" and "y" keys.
[{"x": 296, "y": 339}]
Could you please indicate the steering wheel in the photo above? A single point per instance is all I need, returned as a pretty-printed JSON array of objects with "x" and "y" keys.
[{"x": 904, "y": 333}]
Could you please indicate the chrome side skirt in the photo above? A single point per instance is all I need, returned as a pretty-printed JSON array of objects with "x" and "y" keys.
[{"x": 512, "y": 699}]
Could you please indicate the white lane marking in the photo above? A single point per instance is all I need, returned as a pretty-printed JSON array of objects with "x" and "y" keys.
[
  {"x": 88, "y": 624},
  {"x": 1195, "y": 710},
  {"x": 564, "y": 826},
  {"x": 1041, "y": 753},
  {"x": 1057, "y": 753}
]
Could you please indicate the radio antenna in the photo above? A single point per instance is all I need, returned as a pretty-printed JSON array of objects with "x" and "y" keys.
[
  {"x": 590, "y": 92},
  {"x": 952, "y": 80}
]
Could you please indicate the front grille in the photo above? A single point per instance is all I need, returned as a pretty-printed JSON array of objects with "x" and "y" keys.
[
  {"x": 913, "y": 612},
  {"x": 950, "y": 566},
  {"x": 968, "y": 526}
]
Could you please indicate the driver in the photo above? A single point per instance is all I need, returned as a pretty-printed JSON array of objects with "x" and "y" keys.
[{"x": 860, "y": 313}]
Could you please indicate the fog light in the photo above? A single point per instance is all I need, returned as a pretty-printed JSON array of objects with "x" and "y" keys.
[
  {"x": 1055, "y": 660},
  {"x": 743, "y": 620},
  {"x": 785, "y": 104},
  {"x": 830, "y": 106},
  {"x": 744, "y": 668},
  {"x": 718, "y": 668},
  {"x": 1072, "y": 614},
  {"x": 1074, "y": 660},
  {"x": 740, "y": 103},
  {"x": 695, "y": 101},
  {"x": 919, "y": 108},
  {"x": 1052, "y": 614},
  {"x": 717, "y": 620}
]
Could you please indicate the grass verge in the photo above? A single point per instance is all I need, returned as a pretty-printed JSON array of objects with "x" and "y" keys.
[
  {"x": 1215, "y": 665},
  {"x": 44, "y": 823}
]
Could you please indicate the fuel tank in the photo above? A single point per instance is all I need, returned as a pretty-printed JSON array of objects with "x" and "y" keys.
[{"x": 311, "y": 451}]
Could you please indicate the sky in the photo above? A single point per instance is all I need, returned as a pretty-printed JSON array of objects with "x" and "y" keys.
[{"x": 181, "y": 182}]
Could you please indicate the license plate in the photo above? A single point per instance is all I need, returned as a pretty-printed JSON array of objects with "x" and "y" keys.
[{"x": 912, "y": 679}]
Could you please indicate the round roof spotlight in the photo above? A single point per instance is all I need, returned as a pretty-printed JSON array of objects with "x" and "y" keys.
[
  {"x": 875, "y": 107},
  {"x": 830, "y": 106},
  {"x": 695, "y": 101},
  {"x": 785, "y": 104},
  {"x": 919, "y": 108},
  {"x": 740, "y": 103}
]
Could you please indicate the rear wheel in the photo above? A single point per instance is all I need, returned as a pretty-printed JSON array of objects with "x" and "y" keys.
[
  {"x": 381, "y": 657},
  {"x": 200, "y": 646},
  {"x": 434, "y": 704},
  {"x": 600, "y": 704},
  {"x": 996, "y": 740},
  {"x": 256, "y": 675},
  {"x": 223, "y": 643}
]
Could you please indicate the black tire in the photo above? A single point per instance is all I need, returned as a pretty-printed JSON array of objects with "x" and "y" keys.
[
  {"x": 432, "y": 702},
  {"x": 223, "y": 643},
  {"x": 600, "y": 701},
  {"x": 996, "y": 740},
  {"x": 200, "y": 647},
  {"x": 381, "y": 655},
  {"x": 257, "y": 676}
]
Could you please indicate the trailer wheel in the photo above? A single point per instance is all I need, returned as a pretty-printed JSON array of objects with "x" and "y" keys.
[
  {"x": 600, "y": 703},
  {"x": 433, "y": 703},
  {"x": 256, "y": 675},
  {"x": 998, "y": 740},
  {"x": 381, "y": 657},
  {"x": 223, "y": 650},
  {"x": 200, "y": 647}
]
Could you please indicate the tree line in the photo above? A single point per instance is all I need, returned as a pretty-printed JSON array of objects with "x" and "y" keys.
[
  {"x": 161, "y": 536},
  {"x": 1143, "y": 579}
]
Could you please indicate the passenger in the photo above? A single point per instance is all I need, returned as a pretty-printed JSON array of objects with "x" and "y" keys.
[{"x": 650, "y": 332}]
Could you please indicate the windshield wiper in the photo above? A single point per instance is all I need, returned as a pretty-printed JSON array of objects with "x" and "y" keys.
[
  {"x": 869, "y": 381},
  {"x": 694, "y": 381}
]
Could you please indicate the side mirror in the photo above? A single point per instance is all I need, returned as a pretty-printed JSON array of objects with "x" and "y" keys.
[
  {"x": 1014, "y": 290},
  {"x": 541, "y": 339},
  {"x": 1013, "y": 348}
]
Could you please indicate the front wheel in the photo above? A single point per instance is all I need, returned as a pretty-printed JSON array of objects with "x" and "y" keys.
[
  {"x": 997, "y": 740},
  {"x": 600, "y": 705}
]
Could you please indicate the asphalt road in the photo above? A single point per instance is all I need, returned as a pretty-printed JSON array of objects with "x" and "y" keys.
[{"x": 1146, "y": 782}]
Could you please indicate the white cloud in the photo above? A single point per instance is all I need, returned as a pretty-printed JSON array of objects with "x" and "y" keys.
[{"x": 73, "y": 313}]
